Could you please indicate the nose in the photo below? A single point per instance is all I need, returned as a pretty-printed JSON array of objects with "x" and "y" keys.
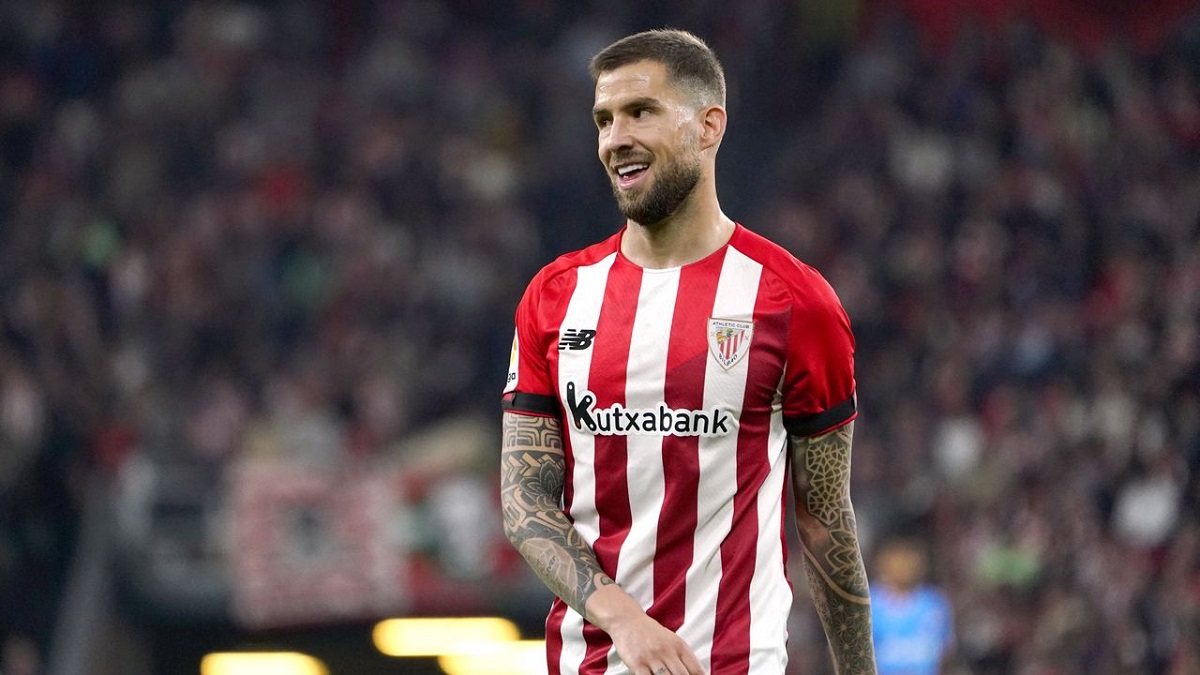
[{"x": 615, "y": 137}]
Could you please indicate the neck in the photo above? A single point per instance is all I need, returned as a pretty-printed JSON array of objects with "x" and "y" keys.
[{"x": 693, "y": 232}]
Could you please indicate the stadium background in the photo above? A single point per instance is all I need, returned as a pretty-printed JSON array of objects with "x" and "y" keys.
[{"x": 258, "y": 263}]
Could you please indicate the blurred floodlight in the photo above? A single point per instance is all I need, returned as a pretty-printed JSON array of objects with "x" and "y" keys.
[
  {"x": 443, "y": 635},
  {"x": 522, "y": 657},
  {"x": 261, "y": 663}
]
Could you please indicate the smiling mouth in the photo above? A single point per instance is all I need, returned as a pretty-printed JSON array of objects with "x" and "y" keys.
[{"x": 628, "y": 174}]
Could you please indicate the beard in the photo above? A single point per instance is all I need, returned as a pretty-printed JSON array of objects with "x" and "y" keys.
[{"x": 671, "y": 187}]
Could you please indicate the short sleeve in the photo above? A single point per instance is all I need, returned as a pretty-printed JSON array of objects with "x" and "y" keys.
[
  {"x": 529, "y": 388},
  {"x": 818, "y": 386}
]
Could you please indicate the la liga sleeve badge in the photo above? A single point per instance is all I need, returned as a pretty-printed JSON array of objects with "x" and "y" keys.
[
  {"x": 514, "y": 366},
  {"x": 729, "y": 340}
]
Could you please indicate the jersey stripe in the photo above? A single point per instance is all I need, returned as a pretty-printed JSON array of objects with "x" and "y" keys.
[
  {"x": 582, "y": 312},
  {"x": 770, "y": 591},
  {"x": 687, "y": 353},
  {"x": 608, "y": 364},
  {"x": 762, "y": 468},
  {"x": 647, "y": 368},
  {"x": 734, "y": 300}
]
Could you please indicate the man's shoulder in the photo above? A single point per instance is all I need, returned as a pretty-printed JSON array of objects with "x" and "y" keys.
[
  {"x": 573, "y": 260},
  {"x": 797, "y": 276}
]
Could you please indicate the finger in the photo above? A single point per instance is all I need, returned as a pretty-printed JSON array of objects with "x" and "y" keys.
[
  {"x": 692, "y": 666},
  {"x": 683, "y": 662},
  {"x": 679, "y": 669}
]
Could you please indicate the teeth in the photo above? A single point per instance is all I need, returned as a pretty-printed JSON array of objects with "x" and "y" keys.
[{"x": 629, "y": 168}]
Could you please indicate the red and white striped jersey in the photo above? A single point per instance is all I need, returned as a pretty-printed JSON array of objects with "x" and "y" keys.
[{"x": 677, "y": 389}]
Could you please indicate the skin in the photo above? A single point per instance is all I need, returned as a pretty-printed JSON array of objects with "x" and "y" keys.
[
  {"x": 901, "y": 566},
  {"x": 533, "y": 470},
  {"x": 837, "y": 578},
  {"x": 641, "y": 117}
]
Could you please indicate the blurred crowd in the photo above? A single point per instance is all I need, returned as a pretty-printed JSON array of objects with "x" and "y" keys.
[
  {"x": 301, "y": 228},
  {"x": 1015, "y": 230}
]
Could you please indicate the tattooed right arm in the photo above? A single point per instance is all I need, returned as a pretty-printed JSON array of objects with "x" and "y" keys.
[
  {"x": 533, "y": 469},
  {"x": 532, "y": 474}
]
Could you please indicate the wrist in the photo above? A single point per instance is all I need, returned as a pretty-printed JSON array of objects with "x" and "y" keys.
[{"x": 610, "y": 606}]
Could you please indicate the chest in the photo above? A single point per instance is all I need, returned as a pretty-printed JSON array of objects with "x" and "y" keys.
[{"x": 669, "y": 361}]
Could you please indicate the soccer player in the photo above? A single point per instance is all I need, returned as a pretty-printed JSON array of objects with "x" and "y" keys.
[
  {"x": 665, "y": 385},
  {"x": 912, "y": 620}
]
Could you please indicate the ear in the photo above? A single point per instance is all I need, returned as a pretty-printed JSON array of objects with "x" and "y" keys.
[{"x": 712, "y": 126}]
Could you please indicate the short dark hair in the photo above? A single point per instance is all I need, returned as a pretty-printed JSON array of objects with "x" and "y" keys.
[{"x": 690, "y": 63}]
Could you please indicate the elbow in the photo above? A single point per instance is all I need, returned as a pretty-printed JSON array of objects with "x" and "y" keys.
[
  {"x": 816, "y": 520},
  {"x": 519, "y": 525},
  {"x": 511, "y": 521},
  {"x": 512, "y": 533},
  {"x": 812, "y": 532}
]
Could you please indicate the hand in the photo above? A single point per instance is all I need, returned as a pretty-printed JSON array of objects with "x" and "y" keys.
[
  {"x": 644, "y": 645},
  {"x": 648, "y": 648}
]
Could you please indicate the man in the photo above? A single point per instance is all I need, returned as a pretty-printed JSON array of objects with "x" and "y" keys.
[
  {"x": 662, "y": 384},
  {"x": 912, "y": 620}
]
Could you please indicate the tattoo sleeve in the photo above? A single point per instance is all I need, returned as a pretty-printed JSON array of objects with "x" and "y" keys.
[
  {"x": 833, "y": 560},
  {"x": 532, "y": 472}
]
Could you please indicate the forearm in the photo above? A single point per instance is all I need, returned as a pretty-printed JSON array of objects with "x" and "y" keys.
[
  {"x": 533, "y": 467},
  {"x": 832, "y": 557},
  {"x": 837, "y": 580}
]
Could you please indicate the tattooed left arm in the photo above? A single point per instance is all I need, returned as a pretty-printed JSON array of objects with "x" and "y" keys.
[{"x": 833, "y": 560}]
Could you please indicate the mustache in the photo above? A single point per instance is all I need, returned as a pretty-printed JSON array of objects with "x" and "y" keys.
[{"x": 627, "y": 158}]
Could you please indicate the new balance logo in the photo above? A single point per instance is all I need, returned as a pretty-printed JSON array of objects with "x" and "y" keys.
[{"x": 576, "y": 338}]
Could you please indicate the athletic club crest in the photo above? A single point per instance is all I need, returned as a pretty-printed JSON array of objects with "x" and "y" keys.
[{"x": 729, "y": 340}]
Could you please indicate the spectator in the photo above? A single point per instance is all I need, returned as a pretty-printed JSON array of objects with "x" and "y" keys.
[{"x": 912, "y": 620}]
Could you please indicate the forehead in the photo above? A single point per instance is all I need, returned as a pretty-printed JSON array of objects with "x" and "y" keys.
[{"x": 642, "y": 79}]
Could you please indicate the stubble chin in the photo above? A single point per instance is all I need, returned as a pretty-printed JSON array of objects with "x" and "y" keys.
[
  {"x": 654, "y": 203},
  {"x": 630, "y": 206},
  {"x": 636, "y": 211}
]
